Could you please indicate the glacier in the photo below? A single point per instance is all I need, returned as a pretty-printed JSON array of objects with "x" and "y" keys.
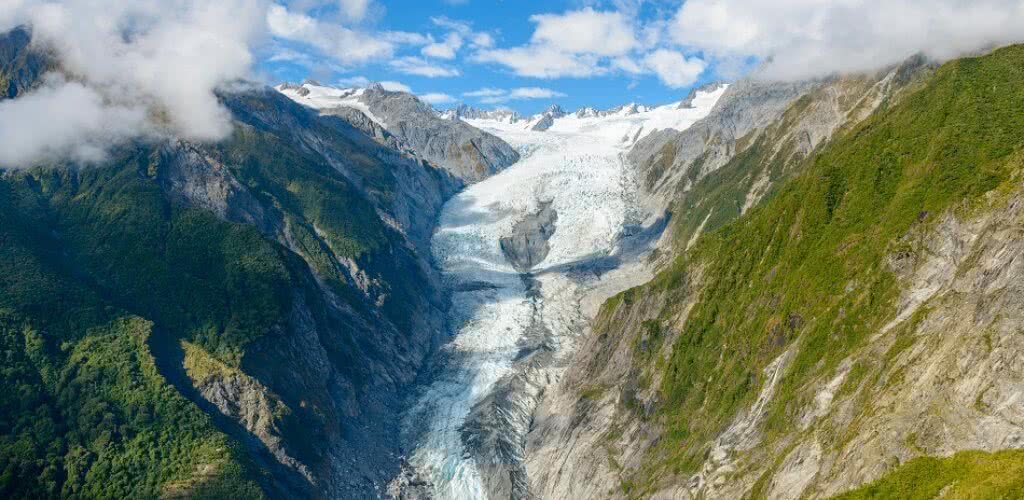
[{"x": 513, "y": 331}]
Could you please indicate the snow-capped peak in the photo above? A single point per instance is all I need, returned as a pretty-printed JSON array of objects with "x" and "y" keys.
[
  {"x": 627, "y": 123},
  {"x": 317, "y": 96}
]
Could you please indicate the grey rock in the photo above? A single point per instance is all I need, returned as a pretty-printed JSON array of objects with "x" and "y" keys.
[
  {"x": 528, "y": 245},
  {"x": 22, "y": 64},
  {"x": 464, "y": 151},
  {"x": 545, "y": 122},
  {"x": 464, "y": 111}
]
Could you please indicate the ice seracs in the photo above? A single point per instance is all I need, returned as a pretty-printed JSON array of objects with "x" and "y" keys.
[{"x": 517, "y": 323}]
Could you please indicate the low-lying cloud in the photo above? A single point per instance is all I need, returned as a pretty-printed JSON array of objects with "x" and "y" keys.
[
  {"x": 64, "y": 120},
  {"x": 139, "y": 67}
]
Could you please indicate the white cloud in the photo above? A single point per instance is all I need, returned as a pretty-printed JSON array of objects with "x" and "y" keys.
[
  {"x": 444, "y": 49},
  {"x": 64, "y": 120},
  {"x": 578, "y": 44},
  {"x": 585, "y": 31},
  {"x": 345, "y": 45},
  {"x": 493, "y": 96},
  {"x": 405, "y": 38},
  {"x": 482, "y": 40},
  {"x": 485, "y": 92},
  {"x": 543, "y": 62},
  {"x": 460, "y": 27},
  {"x": 806, "y": 38},
  {"x": 673, "y": 68},
  {"x": 354, "y": 10},
  {"x": 176, "y": 55},
  {"x": 284, "y": 54},
  {"x": 362, "y": 81},
  {"x": 394, "y": 86},
  {"x": 436, "y": 98},
  {"x": 534, "y": 93},
  {"x": 353, "y": 81},
  {"x": 416, "y": 66}
]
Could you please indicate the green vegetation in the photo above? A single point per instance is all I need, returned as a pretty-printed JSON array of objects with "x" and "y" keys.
[
  {"x": 84, "y": 256},
  {"x": 808, "y": 269},
  {"x": 965, "y": 475},
  {"x": 78, "y": 242},
  {"x": 301, "y": 185},
  {"x": 85, "y": 248},
  {"x": 96, "y": 420}
]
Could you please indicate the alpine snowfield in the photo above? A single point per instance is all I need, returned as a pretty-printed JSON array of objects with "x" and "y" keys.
[{"x": 501, "y": 316}]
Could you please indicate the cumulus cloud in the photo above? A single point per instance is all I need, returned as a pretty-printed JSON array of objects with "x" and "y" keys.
[
  {"x": 485, "y": 92},
  {"x": 161, "y": 60},
  {"x": 807, "y": 38},
  {"x": 585, "y": 31},
  {"x": 489, "y": 95},
  {"x": 354, "y": 10},
  {"x": 345, "y": 45},
  {"x": 533, "y": 93},
  {"x": 394, "y": 86},
  {"x": 353, "y": 81},
  {"x": 574, "y": 44},
  {"x": 673, "y": 68},
  {"x": 460, "y": 34},
  {"x": 444, "y": 49},
  {"x": 417, "y": 66},
  {"x": 542, "y": 62},
  {"x": 436, "y": 98}
]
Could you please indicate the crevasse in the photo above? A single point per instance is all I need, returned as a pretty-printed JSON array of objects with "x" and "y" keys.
[{"x": 577, "y": 166}]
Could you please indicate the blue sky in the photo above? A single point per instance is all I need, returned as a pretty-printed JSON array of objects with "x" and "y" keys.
[
  {"x": 492, "y": 27},
  {"x": 153, "y": 66},
  {"x": 529, "y": 54}
]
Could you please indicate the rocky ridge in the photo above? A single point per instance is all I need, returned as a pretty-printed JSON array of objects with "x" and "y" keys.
[
  {"x": 466, "y": 152},
  {"x": 601, "y": 423}
]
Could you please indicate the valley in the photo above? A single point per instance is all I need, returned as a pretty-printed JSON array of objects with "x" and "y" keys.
[
  {"x": 786, "y": 283},
  {"x": 516, "y": 328}
]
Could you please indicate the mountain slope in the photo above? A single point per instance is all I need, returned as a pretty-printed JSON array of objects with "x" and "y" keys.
[
  {"x": 272, "y": 293},
  {"x": 466, "y": 152},
  {"x": 799, "y": 350},
  {"x": 21, "y": 64}
]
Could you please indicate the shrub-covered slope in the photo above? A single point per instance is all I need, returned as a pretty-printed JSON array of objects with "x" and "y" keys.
[
  {"x": 229, "y": 318},
  {"x": 863, "y": 315}
]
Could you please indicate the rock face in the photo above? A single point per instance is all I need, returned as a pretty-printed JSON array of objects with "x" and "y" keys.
[
  {"x": 598, "y": 426},
  {"x": 465, "y": 152},
  {"x": 345, "y": 207},
  {"x": 527, "y": 246},
  {"x": 21, "y": 64},
  {"x": 464, "y": 111},
  {"x": 666, "y": 160},
  {"x": 333, "y": 379}
]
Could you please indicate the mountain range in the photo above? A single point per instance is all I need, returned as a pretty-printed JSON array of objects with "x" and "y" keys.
[{"x": 767, "y": 289}]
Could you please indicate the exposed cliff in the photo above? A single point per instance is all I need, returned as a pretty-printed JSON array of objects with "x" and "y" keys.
[
  {"x": 858, "y": 312},
  {"x": 285, "y": 280},
  {"x": 464, "y": 151}
]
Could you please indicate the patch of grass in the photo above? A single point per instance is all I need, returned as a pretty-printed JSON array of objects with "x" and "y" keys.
[{"x": 965, "y": 475}]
